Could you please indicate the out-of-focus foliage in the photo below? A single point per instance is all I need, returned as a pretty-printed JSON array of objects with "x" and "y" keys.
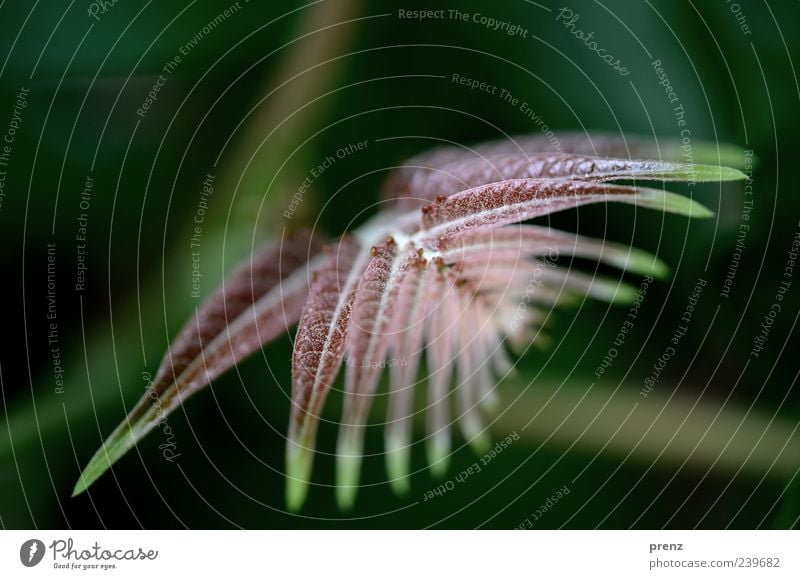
[{"x": 389, "y": 81}]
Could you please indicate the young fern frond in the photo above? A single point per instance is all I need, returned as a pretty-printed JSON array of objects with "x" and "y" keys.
[{"x": 441, "y": 275}]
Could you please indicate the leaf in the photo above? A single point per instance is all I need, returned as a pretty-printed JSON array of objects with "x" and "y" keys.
[
  {"x": 399, "y": 184},
  {"x": 597, "y": 287},
  {"x": 472, "y": 376},
  {"x": 449, "y": 279},
  {"x": 317, "y": 357},
  {"x": 492, "y": 350},
  {"x": 367, "y": 344},
  {"x": 259, "y": 301},
  {"x": 620, "y": 146},
  {"x": 535, "y": 240},
  {"x": 516, "y": 200},
  {"x": 440, "y": 352},
  {"x": 459, "y": 175},
  {"x": 407, "y": 333}
]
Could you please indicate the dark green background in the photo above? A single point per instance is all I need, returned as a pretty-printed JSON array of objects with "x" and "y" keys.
[{"x": 736, "y": 88}]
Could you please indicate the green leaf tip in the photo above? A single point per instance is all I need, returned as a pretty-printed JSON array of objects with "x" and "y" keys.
[
  {"x": 348, "y": 468},
  {"x": 116, "y": 445},
  {"x": 298, "y": 474},
  {"x": 640, "y": 262},
  {"x": 623, "y": 294},
  {"x": 438, "y": 451},
  {"x": 717, "y": 173},
  {"x": 481, "y": 443},
  {"x": 397, "y": 468},
  {"x": 709, "y": 152},
  {"x": 401, "y": 486},
  {"x": 671, "y": 203},
  {"x": 81, "y": 486},
  {"x": 697, "y": 172}
]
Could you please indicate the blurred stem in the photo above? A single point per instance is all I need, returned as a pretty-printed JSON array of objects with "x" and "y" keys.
[
  {"x": 108, "y": 368},
  {"x": 699, "y": 431},
  {"x": 271, "y": 134}
]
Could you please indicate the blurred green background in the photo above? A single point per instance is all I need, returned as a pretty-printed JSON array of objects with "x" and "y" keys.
[{"x": 268, "y": 92}]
